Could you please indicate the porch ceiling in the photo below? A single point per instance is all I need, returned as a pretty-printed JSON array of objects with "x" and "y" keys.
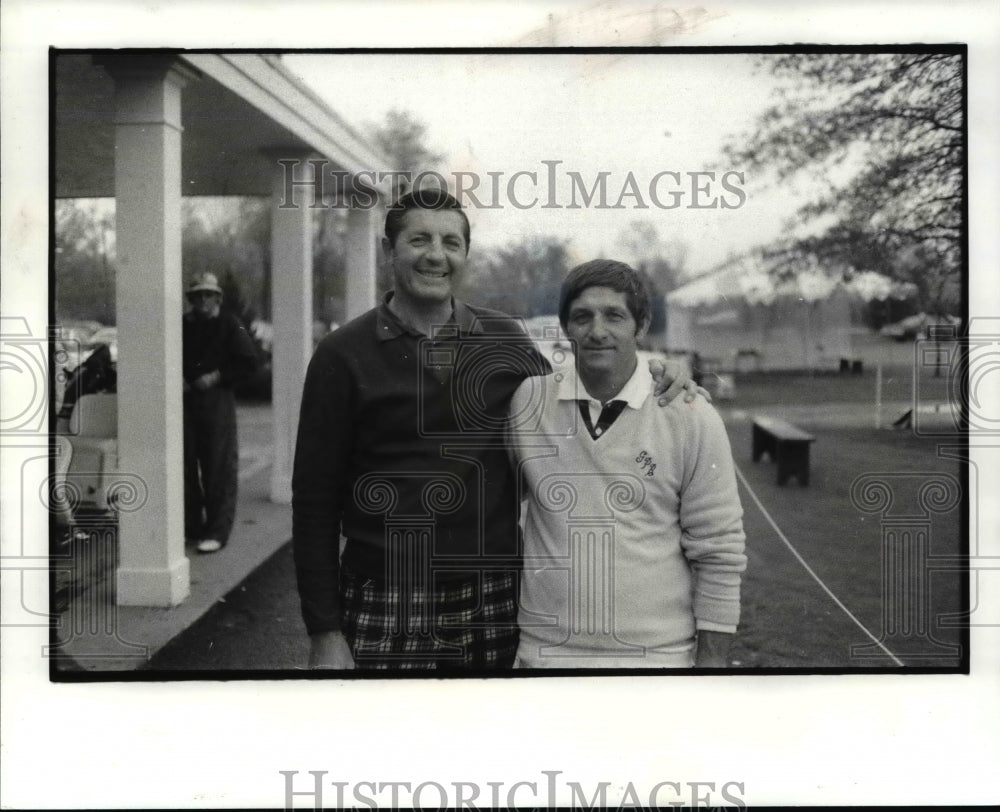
[{"x": 239, "y": 116}]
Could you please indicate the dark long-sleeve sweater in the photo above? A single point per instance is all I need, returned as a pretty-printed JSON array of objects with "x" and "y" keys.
[{"x": 401, "y": 448}]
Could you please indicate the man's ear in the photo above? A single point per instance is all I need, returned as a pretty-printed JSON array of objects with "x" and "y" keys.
[
  {"x": 387, "y": 249},
  {"x": 643, "y": 328}
]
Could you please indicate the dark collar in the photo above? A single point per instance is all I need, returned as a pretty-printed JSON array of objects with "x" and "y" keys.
[{"x": 388, "y": 325}]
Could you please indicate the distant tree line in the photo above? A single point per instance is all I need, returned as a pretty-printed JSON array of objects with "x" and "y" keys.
[{"x": 230, "y": 237}]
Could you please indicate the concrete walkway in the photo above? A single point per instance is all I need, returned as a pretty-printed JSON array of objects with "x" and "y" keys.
[{"x": 95, "y": 635}]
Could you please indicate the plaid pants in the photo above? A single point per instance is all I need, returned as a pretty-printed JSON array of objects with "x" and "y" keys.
[{"x": 463, "y": 625}]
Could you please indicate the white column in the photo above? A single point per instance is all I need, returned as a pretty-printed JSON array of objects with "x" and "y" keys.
[
  {"x": 361, "y": 245},
  {"x": 153, "y": 570},
  {"x": 291, "y": 313}
]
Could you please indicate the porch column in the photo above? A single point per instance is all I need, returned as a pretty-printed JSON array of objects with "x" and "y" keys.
[
  {"x": 362, "y": 256},
  {"x": 153, "y": 570},
  {"x": 291, "y": 312}
]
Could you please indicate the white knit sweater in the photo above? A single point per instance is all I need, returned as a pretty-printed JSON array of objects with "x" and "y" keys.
[{"x": 632, "y": 541}]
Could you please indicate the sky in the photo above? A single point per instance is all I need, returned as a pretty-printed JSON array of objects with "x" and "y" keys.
[{"x": 597, "y": 113}]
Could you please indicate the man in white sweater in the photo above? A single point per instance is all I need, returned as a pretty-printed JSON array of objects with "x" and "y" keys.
[{"x": 633, "y": 537}]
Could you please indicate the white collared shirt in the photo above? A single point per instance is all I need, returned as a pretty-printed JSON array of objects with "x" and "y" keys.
[{"x": 635, "y": 391}]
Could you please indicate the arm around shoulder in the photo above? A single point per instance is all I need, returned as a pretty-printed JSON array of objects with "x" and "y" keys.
[{"x": 670, "y": 378}]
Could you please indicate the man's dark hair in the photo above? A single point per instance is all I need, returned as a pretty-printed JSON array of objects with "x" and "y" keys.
[
  {"x": 606, "y": 273},
  {"x": 434, "y": 199}
]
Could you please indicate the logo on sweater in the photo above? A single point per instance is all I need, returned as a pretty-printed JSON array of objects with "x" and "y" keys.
[{"x": 646, "y": 463}]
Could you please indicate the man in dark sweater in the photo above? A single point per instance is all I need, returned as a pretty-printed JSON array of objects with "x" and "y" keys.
[
  {"x": 217, "y": 352},
  {"x": 401, "y": 448}
]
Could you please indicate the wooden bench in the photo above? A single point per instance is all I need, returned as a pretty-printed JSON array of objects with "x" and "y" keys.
[{"x": 784, "y": 443}]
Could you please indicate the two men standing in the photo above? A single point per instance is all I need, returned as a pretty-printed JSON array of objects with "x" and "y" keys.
[{"x": 403, "y": 448}]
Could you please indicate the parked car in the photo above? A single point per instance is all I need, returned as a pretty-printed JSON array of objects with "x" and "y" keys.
[
  {"x": 71, "y": 342},
  {"x": 917, "y": 325},
  {"x": 106, "y": 335},
  {"x": 80, "y": 331},
  {"x": 68, "y": 354},
  {"x": 95, "y": 374}
]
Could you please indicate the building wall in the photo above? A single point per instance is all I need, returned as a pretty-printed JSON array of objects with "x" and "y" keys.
[{"x": 786, "y": 334}]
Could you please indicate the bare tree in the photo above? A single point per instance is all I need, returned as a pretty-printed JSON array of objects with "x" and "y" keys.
[
  {"x": 403, "y": 139},
  {"x": 661, "y": 261},
  {"x": 521, "y": 278},
  {"x": 84, "y": 260},
  {"x": 884, "y": 133}
]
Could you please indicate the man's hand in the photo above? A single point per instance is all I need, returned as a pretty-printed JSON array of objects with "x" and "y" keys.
[
  {"x": 207, "y": 381},
  {"x": 330, "y": 650},
  {"x": 713, "y": 649},
  {"x": 670, "y": 378}
]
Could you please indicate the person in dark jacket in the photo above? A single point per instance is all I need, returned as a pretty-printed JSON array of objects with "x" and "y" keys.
[{"x": 218, "y": 352}]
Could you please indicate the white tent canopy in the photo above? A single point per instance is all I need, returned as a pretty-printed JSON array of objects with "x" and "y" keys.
[
  {"x": 749, "y": 279},
  {"x": 741, "y": 311}
]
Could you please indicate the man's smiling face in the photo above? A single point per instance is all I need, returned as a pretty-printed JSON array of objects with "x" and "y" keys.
[{"x": 429, "y": 255}]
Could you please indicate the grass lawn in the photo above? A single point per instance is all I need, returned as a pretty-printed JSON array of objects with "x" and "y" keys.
[
  {"x": 823, "y": 388},
  {"x": 788, "y": 619}
]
